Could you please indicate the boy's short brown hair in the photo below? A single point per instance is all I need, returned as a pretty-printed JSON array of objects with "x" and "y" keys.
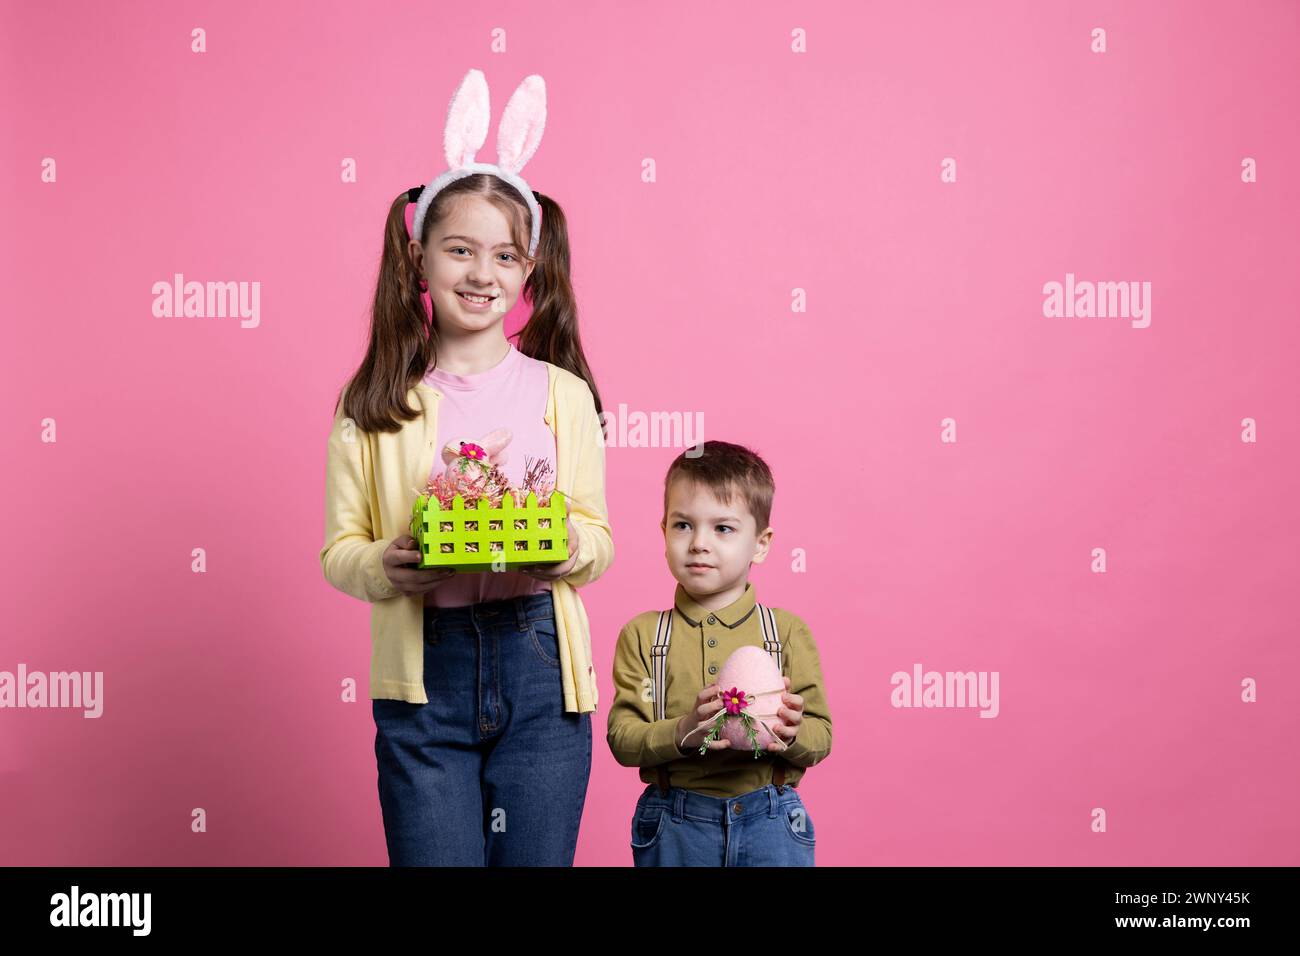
[{"x": 725, "y": 468}]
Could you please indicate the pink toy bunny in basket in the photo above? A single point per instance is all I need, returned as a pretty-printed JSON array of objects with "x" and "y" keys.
[
  {"x": 474, "y": 472},
  {"x": 472, "y": 462}
]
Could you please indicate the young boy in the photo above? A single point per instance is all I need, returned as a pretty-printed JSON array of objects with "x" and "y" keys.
[{"x": 725, "y": 807}]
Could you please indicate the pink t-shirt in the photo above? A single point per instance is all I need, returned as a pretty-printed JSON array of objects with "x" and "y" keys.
[{"x": 512, "y": 394}]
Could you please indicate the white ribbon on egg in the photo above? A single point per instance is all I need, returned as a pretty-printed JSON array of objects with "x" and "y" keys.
[{"x": 712, "y": 720}]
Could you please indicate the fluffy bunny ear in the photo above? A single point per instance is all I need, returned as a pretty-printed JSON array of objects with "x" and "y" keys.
[
  {"x": 494, "y": 443},
  {"x": 522, "y": 124},
  {"x": 467, "y": 120}
]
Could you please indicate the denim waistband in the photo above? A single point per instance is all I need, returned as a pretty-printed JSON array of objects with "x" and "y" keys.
[
  {"x": 688, "y": 803},
  {"x": 525, "y": 608}
]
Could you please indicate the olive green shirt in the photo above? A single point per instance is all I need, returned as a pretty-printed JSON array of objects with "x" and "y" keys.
[{"x": 702, "y": 640}]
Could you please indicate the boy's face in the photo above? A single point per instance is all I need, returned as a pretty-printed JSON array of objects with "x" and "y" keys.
[
  {"x": 710, "y": 544},
  {"x": 471, "y": 251}
]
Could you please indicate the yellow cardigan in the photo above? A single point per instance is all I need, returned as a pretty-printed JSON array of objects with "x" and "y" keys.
[{"x": 369, "y": 492}]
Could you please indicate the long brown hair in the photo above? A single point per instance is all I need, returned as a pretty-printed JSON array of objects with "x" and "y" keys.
[{"x": 404, "y": 337}]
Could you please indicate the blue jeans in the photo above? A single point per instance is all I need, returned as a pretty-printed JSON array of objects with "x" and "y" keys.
[
  {"x": 765, "y": 827},
  {"x": 492, "y": 770}
]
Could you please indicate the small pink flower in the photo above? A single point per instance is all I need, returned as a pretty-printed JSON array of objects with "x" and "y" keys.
[
  {"x": 734, "y": 700},
  {"x": 470, "y": 450}
]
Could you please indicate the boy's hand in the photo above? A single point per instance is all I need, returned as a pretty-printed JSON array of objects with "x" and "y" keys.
[
  {"x": 707, "y": 704},
  {"x": 549, "y": 572},
  {"x": 791, "y": 715}
]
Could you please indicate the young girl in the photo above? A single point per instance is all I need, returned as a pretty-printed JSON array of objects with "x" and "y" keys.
[{"x": 482, "y": 685}]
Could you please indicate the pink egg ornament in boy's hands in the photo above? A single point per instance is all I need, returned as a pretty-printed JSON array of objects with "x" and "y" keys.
[{"x": 751, "y": 671}]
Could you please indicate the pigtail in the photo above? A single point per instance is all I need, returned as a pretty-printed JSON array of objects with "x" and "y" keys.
[
  {"x": 401, "y": 343},
  {"x": 551, "y": 332}
]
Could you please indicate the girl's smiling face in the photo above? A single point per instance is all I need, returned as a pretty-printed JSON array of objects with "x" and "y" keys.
[{"x": 471, "y": 251}]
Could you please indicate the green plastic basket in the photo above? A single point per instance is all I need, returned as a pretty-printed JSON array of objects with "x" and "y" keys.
[{"x": 484, "y": 538}]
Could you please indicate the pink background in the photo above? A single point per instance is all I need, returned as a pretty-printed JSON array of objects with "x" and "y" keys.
[{"x": 776, "y": 171}]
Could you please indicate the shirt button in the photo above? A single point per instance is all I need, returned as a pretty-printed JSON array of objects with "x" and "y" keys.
[
  {"x": 712, "y": 642},
  {"x": 712, "y": 619},
  {"x": 713, "y": 668}
]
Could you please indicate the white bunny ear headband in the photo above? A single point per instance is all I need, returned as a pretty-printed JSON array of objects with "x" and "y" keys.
[{"x": 517, "y": 137}]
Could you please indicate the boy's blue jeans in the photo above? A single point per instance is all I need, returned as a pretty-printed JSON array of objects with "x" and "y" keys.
[
  {"x": 492, "y": 770},
  {"x": 765, "y": 827}
]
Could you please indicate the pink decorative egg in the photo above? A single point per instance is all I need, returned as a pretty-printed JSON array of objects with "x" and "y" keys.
[{"x": 752, "y": 670}]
